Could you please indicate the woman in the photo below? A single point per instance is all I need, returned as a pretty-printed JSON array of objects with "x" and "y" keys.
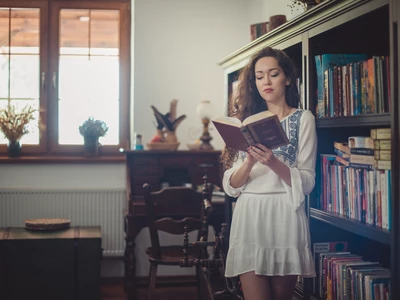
[{"x": 269, "y": 239}]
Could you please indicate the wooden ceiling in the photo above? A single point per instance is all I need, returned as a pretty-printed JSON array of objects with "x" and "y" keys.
[{"x": 78, "y": 28}]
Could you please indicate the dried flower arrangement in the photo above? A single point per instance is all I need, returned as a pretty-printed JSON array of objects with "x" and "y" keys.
[
  {"x": 14, "y": 123},
  {"x": 93, "y": 128}
]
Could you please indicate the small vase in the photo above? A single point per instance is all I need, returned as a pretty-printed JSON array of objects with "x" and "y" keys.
[
  {"x": 170, "y": 137},
  {"x": 310, "y": 4},
  {"x": 14, "y": 149},
  {"x": 91, "y": 145}
]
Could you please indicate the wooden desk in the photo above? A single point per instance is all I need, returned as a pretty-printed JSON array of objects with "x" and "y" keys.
[{"x": 157, "y": 167}]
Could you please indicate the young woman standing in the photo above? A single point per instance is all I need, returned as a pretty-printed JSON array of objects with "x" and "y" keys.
[{"x": 269, "y": 239}]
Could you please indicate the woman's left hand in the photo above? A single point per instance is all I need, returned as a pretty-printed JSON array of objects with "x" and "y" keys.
[{"x": 263, "y": 155}]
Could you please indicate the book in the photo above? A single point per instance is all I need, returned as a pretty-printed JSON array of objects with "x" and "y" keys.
[
  {"x": 325, "y": 247},
  {"x": 264, "y": 128},
  {"x": 360, "y": 142},
  {"x": 323, "y": 63}
]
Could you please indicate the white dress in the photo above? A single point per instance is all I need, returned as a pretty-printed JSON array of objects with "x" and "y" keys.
[{"x": 270, "y": 232}]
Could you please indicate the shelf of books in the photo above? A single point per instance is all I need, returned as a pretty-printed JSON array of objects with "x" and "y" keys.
[
  {"x": 382, "y": 119},
  {"x": 367, "y": 230},
  {"x": 348, "y": 58}
]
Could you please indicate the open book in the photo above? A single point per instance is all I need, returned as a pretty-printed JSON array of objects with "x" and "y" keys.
[{"x": 264, "y": 128}]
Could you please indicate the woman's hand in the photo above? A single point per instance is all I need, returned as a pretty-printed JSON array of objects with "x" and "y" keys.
[
  {"x": 250, "y": 159},
  {"x": 263, "y": 155}
]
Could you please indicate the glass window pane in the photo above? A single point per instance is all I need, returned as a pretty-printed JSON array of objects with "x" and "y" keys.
[
  {"x": 89, "y": 75},
  {"x": 4, "y": 51},
  {"x": 74, "y": 31},
  {"x": 25, "y": 25},
  {"x": 104, "y": 28},
  {"x": 20, "y": 63},
  {"x": 4, "y": 76},
  {"x": 24, "y": 76}
]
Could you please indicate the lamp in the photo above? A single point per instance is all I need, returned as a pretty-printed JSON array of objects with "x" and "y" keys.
[{"x": 204, "y": 111}]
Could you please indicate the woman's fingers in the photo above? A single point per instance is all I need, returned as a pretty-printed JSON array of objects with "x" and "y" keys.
[{"x": 262, "y": 154}]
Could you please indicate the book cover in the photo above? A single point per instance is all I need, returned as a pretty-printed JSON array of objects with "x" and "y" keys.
[
  {"x": 325, "y": 247},
  {"x": 264, "y": 128}
]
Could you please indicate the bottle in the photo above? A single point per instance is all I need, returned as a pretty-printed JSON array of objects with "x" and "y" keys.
[{"x": 138, "y": 144}]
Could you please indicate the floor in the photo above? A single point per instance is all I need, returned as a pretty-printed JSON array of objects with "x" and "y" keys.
[{"x": 114, "y": 291}]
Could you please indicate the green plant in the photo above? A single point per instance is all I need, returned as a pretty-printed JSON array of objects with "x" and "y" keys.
[
  {"x": 93, "y": 128},
  {"x": 14, "y": 123}
]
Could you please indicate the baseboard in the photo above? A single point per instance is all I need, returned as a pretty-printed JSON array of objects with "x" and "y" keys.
[{"x": 141, "y": 281}]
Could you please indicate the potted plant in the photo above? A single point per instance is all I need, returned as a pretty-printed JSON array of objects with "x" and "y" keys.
[
  {"x": 91, "y": 130},
  {"x": 14, "y": 123}
]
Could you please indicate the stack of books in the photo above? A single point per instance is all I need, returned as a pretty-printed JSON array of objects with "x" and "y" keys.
[
  {"x": 344, "y": 275},
  {"x": 355, "y": 181}
]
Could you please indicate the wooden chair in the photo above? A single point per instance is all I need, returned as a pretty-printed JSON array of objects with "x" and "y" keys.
[
  {"x": 232, "y": 288},
  {"x": 174, "y": 210}
]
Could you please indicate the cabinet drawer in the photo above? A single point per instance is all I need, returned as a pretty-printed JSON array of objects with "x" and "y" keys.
[
  {"x": 200, "y": 160},
  {"x": 142, "y": 170},
  {"x": 176, "y": 161},
  {"x": 145, "y": 160}
]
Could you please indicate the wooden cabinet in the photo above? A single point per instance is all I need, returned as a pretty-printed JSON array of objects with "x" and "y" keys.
[
  {"x": 174, "y": 168},
  {"x": 341, "y": 27},
  {"x": 61, "y": 264}
]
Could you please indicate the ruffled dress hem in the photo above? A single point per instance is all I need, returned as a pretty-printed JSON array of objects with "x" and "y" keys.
[{"x": 269, "y": 262}]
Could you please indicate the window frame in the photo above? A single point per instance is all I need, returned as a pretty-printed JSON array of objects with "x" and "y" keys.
[{"x": 49, "y": 56}]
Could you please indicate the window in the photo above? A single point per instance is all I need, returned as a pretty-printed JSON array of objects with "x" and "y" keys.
[{"x": 71, "y": 61}]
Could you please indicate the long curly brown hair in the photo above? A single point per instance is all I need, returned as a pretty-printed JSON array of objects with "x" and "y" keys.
[{"x": 247, "y": 101}]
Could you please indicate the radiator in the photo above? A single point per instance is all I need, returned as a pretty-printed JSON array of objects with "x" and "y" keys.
[{"x": 103, "y": 208}]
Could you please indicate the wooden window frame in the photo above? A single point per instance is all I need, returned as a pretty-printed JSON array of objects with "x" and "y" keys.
[{"x": 49, "y": 55}]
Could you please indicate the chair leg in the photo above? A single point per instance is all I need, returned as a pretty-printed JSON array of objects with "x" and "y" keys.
[
  {"x": 198, "y": 279},
  {"x": 152, "y": 281}
]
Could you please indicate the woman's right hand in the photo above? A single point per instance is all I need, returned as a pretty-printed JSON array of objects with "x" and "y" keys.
[
  {"x": 241, "y": 175},
  {"x": 250, "y": 160}
]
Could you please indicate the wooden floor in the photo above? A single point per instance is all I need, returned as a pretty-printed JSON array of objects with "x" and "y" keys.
[{"x": 114, "y": 291}]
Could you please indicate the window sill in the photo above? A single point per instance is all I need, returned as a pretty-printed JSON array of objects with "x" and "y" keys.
[{"x": 62, "y": 159}]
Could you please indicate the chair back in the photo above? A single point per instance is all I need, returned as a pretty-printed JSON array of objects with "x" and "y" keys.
[{"x": 170, "y": 210}]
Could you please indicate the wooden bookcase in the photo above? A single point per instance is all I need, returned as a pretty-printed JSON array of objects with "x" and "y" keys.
[{"x": 347, "y": 26}]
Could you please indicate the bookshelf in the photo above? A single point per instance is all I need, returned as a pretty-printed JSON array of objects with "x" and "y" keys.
[{"x": 347, "y": 26}]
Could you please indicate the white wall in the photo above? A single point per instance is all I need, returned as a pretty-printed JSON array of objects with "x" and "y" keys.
[{"x": 177, "y": 46}]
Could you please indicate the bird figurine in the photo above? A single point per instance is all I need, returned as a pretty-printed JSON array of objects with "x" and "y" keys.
[{"x": 167, "y": 124}]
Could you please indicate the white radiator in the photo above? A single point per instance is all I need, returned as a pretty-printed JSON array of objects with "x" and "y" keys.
[{"x": 103, "y": 208}]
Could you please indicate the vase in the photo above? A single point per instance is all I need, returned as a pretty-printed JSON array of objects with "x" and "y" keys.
[
  {"x": 310, "y": 4},
  {"x": 91, "y": 145},
  {"x": 14, "y": 148},
  {"x": 170, "y": 137}
]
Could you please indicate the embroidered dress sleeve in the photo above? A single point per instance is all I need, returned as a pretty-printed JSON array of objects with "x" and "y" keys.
[
  {"x": 226, "y": 181},
  {"x": 302, "y": 175}
]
